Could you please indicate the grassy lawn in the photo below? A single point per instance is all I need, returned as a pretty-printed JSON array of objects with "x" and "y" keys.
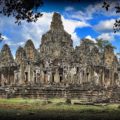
[{"x": 19, "y": 108}]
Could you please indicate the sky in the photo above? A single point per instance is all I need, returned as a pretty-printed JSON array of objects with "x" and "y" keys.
[{"x": 80, "y": 19}]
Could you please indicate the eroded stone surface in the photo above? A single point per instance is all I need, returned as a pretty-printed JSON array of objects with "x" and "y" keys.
[
  {"x": 30, "y": 50},
  {"x": 6, "y": 56},
  {"x": 59, "y": 66},
  {"x": 56, "y": 43},
  {"x": 20, "y": 55}
]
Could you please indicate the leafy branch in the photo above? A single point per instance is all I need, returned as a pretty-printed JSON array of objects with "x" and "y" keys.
[
  {"x": 107, "y": 5},
  {"x": 21, "y": 10}
]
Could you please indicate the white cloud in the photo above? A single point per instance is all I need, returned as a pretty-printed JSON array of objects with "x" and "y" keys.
[
  {"x": 99, "y": 10},
  {"x": 76, "y": 39},
  {"x": 11, "y": 43},
  {"x": 35, "y": 31},
  {"x": 88, "y": 13},
  {"x": 69, "y": 8},
  {"x": 91, "y": 38},
  {"x": 106, "y": 36},
  {"x": 5, "y": 37},
  {"x": 105, "y": 26},
  {"x": 70, "y": 26},
  {"x": 77, "y": 14},
  {"x": 20, "y": 34}
]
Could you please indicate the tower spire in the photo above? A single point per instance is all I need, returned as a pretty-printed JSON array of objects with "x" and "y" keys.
[{"x": 56, "y": 23}]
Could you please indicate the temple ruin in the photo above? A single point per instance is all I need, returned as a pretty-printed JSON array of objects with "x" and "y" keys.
[{"x": 59, "y": 69}]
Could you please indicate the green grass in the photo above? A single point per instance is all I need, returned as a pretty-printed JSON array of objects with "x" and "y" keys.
[
  {"x": 57, "y": 107},
  {"x": 18, "y": 101},
  {"x": 55, "y": 104}
]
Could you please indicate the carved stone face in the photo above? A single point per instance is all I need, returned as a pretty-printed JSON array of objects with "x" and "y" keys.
[{"x": 56, "y": 53}]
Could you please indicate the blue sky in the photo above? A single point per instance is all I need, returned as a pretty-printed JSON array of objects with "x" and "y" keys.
[{"x": 80, "y": 19}]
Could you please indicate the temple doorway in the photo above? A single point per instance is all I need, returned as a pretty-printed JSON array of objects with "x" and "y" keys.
[{"x": 26, "y": 77}]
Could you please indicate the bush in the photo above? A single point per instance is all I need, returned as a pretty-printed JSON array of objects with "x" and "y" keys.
[{"x": 68, "y": 101}]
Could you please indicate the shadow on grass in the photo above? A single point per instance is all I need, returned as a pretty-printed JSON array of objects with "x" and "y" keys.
[
  {"x": 55, "y": 109},
  {"x": 59, "y": 115}
]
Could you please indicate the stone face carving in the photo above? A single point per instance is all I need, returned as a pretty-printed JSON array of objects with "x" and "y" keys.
[
  {"x": 7, "y": 66},
  {"x": 20, "y": 55},
  {"x": 6, "y": 56},
  {"x": 58, "y": 63},
  {"x": 21, "y": 60},
  {"x": 109, "y": 56},
  {"x": 30, "y": 50},
  {"x": 56, "y": 43},
  {"x": 56, "y": 24},
  {"x": 87, "y": 53}
]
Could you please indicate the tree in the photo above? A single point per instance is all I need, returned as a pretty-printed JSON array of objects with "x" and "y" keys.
[
  {"x": 107, "y": 5},
  {"x": 21, "y": 10},
  {"x": 103, "y": 43}
]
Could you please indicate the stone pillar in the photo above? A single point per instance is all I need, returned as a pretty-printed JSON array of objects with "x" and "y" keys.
[
  {"x": 29, "y": 74},
  {"x": 21, "y": 76},
  {"x": 0, "y": 79},
  {"x": 15, "y": 77},
  {"x": 45, "y": 78},
  {"x": 33, "y": 77},
  {"x": 71, "y": 78},
  {"x": 4, "y": 81},
  {"x": 85, "y": 77},
  {"x": 65, "y": 77},
  {"x": 42, "y": 77},
  {"x": 49, "y": 77},
  {"x": 56, "y": 77},
  {"x": 72, "y": 73},
  {"x": 38, "y": 77},
  {"x": 11, "y": 79},
  {"x": 103, "y": 77},
  {"x": 112, "y": 81},
  {"x": 80, "y": 78},
  {"x": 96, "y": 78}
]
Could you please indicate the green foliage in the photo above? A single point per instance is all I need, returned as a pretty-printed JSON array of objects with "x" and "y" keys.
[
  {"x": 21, "y": 9},
  {"x": 103, "y": 43},
  {"x": 107, "y": 5}
]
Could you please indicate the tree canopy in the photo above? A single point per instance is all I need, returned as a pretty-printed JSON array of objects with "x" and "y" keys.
[
  {"x": 107, "y": 5},
  {"x": 103, "y": 43},
  {"x": 21, "y": 10}
]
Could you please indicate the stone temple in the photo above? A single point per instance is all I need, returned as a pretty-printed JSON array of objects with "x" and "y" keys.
[{"x": 59, "y": 70}]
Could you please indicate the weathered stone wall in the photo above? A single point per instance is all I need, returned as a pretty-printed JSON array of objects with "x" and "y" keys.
[
  {"x": 59, "y": 64},
  {"x": 7, "y": 66},
  {"x": 85, "y": 95}
]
